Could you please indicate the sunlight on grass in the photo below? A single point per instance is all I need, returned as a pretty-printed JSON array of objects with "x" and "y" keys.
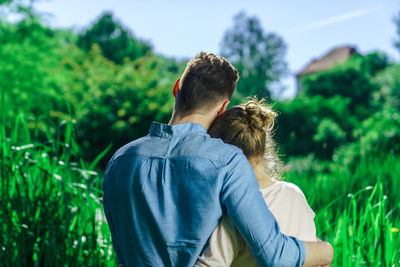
[
  {"x": 359, "y": 223},
  {"x": 51, "y": 207}
]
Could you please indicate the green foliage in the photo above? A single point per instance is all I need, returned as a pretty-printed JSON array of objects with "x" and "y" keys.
[
  {"x": 377, "y": 136},
  {"x": 257, "y": 55},
  {"x": 328, "y": 137},
  {"x": 67, "y": 104},
  {"x": 347, "y": 83},
  {"x": 397, "y": 22},
  {"x": 334, "y": 103},
  {"x": 351, "y": 79},
  {"x": 116, "y": 42},
  {"x": 25, "y": 81},
  {"x": 63, "y": 106},
  {"x": 380, "y": 132},
  {"x": 299, "y": 130},
  {"x": 388, "y": 81},
  {"x": 112, "y": 104},
  {"x": 357, "y": 210},
  {"x": 50, "y": 205},
  {"x": 349, "y": 117},
  {"x": 120, "y": 102},
  {"x": 5, "y": 2}
]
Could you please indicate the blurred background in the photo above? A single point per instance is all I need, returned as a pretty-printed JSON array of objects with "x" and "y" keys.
[{"x": 80, "y": 79}]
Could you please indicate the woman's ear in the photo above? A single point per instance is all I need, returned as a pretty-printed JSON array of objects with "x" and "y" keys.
[{"x": 223, "y": 107}]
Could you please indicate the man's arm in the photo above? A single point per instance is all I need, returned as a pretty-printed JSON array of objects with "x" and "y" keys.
[
  {"x": 247, "y": 209},
  {"x": 113, "y": 234},
  {"x": 107, "y": 211}
]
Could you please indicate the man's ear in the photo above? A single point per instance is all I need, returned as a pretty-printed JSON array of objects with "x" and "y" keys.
[
  {"x": 176, "y": 87},
  {"x": 223, "y": 107}
]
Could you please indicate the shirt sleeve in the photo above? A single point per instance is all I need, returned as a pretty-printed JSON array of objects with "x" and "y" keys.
[
  {"x": 224, "y": 246},
  {"x": 300, "y": 217},
  {"x": 246, "y": 208},
  {"x": 108, "y": 214},
  {"x": 113, "y": 235}
]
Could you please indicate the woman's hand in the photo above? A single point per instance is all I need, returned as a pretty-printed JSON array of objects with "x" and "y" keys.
[{"x": 318, "y": 254}]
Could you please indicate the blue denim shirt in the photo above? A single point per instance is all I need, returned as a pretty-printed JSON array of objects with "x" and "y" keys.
[{"x": 165, "y": 193}]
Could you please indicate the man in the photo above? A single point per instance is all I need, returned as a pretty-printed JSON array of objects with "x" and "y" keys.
[{"x": 164, "y": 193}]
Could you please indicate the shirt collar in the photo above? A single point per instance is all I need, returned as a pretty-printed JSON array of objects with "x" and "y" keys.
[{"x": 165, "y": 130}]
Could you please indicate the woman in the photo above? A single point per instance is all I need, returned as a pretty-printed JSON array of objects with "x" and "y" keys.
[{"x": 249, "y": 127}]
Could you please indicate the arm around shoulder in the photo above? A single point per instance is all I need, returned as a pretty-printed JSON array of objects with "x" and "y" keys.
[{"x": 247, "y": 209}]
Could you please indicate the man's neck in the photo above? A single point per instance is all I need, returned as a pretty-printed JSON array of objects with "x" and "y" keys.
[{"x": 193, "y": 118}]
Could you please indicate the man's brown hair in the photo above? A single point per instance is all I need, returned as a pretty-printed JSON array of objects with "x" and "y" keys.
[{"x": 207, "y": 79}]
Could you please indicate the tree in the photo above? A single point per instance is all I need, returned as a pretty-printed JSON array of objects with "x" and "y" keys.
[
  {"x": 29, "y": 54},
  {"x": 258, "y": 56},
  {"x": 5, "y": 2},
  {"x": 351, "y": 79},
  {"x": 397, "y": 22},
  {"x": 116, "y": 42},
  {"x": 333, "y": 104}
]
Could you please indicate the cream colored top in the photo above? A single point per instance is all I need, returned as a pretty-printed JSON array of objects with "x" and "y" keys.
[{"x": 289, "y": 206}]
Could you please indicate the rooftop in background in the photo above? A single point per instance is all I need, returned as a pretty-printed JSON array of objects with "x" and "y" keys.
[{"x": 336, "y": 55}]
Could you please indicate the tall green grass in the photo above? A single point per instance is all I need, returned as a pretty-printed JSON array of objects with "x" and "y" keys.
[
  {"x": 50, "y": 205},
  {"x": 51, "y": 212},
  {"x": 358, "y": 210}
]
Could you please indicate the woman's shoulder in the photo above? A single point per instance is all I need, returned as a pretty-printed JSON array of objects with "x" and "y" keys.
[
  {"x": 297, "y": 196},
  {"x": 287, "y": 194},
  {"x": 283, "y": 187},
  {"x": 291, "y": 189}
]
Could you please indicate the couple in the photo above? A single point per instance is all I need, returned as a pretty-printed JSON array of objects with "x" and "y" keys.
[{"x": 182, "y": 196}]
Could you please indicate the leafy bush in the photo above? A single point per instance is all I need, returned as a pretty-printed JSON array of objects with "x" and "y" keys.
[
  {"x": 378, "y": 136},
  {"x": 334, "y": 103},
  {"x": 389, "y": 87},
  {"x": 328, "y": 137},
  {"x": 116, "y": 104},
  {"x": 111, "y": 103},
  {"x": 299, "y": 126},
  {"x": 351, "y": 79},
  {"x": 26, "y": 82}
]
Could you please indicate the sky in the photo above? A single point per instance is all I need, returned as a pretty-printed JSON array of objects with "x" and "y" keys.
[{"x": 181, "y": 29}]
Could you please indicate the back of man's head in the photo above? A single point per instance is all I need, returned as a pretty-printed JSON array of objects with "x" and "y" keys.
[{"x": 207, "y": 80}]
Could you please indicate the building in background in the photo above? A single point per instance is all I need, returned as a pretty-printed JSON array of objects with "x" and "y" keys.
[{"x": 336, "y": 55}]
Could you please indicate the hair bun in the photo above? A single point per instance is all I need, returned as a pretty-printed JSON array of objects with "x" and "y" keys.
[{"x": 259, "y": 115}]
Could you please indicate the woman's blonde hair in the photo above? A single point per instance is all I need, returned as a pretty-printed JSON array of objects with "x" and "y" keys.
[{"x": 250, "y": 127}]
